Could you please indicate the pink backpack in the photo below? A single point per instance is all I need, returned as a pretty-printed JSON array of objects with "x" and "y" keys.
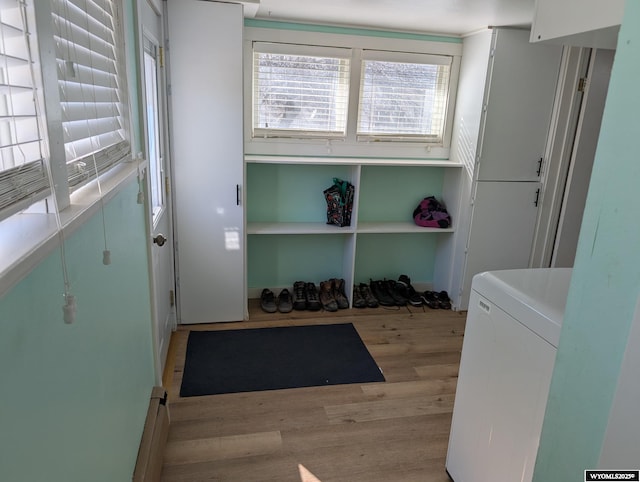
[{"x": 430, "y": 213}]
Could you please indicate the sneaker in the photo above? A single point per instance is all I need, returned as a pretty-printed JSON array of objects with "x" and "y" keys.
[
  {"x": 285, "y": 303},
  {"x": 268, "y": 301},
  {"x": 381, "y": 293},
  {"x": 430, "y": 299},
  {"x": 311, "y": 297},
  {"x": 395, "y": 291},
  {"x": 444, "y": 302},
  {"x": 408, "y": 291},
  {"x": 299, "y": 297},
  {"x": 358, "y": 299},
  {"x": 339, "y": 294},
  {"x": 366, "y": 293},
  {"x": 326, "y": 296}
]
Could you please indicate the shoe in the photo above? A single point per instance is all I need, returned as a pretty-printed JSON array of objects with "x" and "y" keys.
[
  {"x": 311, "y": 297},
  {"x": 381, "y": 293},
  {"x": 299, "y": 298},
  {"x": 329, "y": 303},
  {"x": 268, "y": 301},
  {"x": 394, "y": 290},
  {"x": 358, "y": 299},
  {"x": 408, "y": 291},
  {"x": 366, "y": 293},
  {"x": 444, "y": 302},
  {"x": 429, "y": 298},
  {"x": 339, "y": 294},
  {"x": 285, "y": 303}
]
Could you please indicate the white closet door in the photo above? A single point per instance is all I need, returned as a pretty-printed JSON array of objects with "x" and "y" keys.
[
  {"x": 205, "y": 61},
  {"x": 519, "y": 100},
  {"x": 502, "y": 227}
]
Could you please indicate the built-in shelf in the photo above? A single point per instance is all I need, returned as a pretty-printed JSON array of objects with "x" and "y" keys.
[
  {"x": 352, "y": 161},
  {"x": 319, "y": 228}
]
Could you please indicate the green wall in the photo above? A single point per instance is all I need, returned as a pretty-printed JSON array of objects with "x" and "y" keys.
[
  {"x": 605, "y": 284},
  {"x": 74, "y": 397}
]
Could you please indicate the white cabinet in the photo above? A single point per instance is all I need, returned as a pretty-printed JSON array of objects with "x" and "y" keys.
[
  {"x": 500, "y": 132},
  {"x": 581, "y": 23},
  {"x": 205, "y": 61},
  {"x": 517, "y": 107}
]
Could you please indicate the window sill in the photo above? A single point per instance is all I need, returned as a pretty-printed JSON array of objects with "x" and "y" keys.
[{"x": 26, "y": 239}]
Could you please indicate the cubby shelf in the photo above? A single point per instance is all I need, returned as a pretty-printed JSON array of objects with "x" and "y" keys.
[{"x": 288, "y": 238}]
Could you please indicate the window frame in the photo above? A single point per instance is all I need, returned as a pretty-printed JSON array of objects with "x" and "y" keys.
[
  {"x": 358, "y": 41},
  {"x": 403, "y": 58}
]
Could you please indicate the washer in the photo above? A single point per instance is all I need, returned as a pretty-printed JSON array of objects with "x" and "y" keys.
[{"x": 508, "y": 353}]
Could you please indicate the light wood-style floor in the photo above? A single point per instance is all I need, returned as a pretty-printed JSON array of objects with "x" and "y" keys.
[{"x": 396, "y": 431}]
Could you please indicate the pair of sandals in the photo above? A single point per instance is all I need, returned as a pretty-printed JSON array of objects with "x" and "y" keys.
[{"x": 437, "y": 300}]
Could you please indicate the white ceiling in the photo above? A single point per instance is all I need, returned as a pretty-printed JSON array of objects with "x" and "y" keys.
[{"x": 456, "y": 17}]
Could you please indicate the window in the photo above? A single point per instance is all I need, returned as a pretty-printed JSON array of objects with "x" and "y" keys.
[
  {"x": 405, "y": 98},
  {"x": 23, "y": 176},
  {"x": 91, "y": 86},
  {"x": 300, "y": 91}
]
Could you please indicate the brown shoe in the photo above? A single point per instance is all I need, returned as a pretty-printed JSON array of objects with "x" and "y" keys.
[
  {"x": 326, "y": 296},
  {"x": 339, "y": 293}
]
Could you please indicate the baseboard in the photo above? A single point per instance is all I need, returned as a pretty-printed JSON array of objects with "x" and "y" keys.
[{"x": 154, "y": 439}]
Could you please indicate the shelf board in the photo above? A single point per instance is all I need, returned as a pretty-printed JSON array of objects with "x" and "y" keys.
[
  {"x": 320, "y": 228},
  {"x": 353, "y": 161},
  {"x": 297, "y": 228},
  {"x": 395, "y": 227}
]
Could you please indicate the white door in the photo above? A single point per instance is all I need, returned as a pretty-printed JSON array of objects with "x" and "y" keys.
[
  {"x": 157, "y": 176},
  {"x": 502, "y": 226},
  {"x": 518, "y": 104},
  {"x": 205, "y": 63}
]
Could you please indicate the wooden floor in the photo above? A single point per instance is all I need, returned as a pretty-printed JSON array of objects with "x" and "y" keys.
[{"x": 396, "y": 431}]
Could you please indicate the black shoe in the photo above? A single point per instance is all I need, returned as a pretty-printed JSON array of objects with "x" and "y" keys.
[
  {"x": 408, "y": 291},
  {"x": 381, "y": 293},
  {"x": 394, "y": 290},
  {"x": 329, "y": 303},
  {"x": 311, "y": 296},
  {"x": 299, "y": 298},
  {"x": 358, "y": 299},
  {"x": 430, "y": 299},
  {"x": 285, "y": 303},
  {"x": 368, "y": 296},
  {"x": 268, "y": 301},
  {"x": 339, "y": 294},
  {"x": 444, "y": 303}
]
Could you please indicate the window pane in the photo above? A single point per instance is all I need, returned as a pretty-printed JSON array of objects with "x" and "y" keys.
[
  {"x": 23, "y": 177},
  {"x": 307, "y": 94},
  {"x": 92, "y": 84},
  {"x": 403, "y": 99}
]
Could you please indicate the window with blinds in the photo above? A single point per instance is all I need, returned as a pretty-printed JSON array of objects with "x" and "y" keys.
[
  {"x": 23, "y": 175},
  {"x": 92, "y": 86},
  {"x": 405, "y": 98},
  {"x": 300, "y": 91}
]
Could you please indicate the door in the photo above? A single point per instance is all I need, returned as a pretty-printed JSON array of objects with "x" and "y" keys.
[
  {"x": 503, "y": 221},
  {"x": 207, "y": 140},
  {"x": 157, "y": 176},
  {"x": 518, "y": 105}
]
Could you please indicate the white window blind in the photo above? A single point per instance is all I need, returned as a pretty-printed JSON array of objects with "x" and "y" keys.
[
  {"x": 23, "y": 174},
  {"x": 92, "y": 86},
  {"x": 404, "y": 98},
  {"x": 300, "y": 90}
]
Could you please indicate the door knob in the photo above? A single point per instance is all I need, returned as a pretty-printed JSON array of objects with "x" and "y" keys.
[{"x": 160, "y": 240}]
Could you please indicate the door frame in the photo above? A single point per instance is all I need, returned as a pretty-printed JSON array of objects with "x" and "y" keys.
[
  {"x": 158, "y": 7},
  {"x": 564, "y": 124}
]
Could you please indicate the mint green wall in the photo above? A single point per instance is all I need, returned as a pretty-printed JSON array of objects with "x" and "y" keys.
[
  {"x": 74, "y": 397},
  {"x": 605, "y": 284}
]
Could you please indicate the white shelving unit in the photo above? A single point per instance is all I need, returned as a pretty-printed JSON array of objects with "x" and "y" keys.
[{"x": 381, "y": 234}]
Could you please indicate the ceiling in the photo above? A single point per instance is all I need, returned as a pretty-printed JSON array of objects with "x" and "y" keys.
[{"x": 451, "y": 17}]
